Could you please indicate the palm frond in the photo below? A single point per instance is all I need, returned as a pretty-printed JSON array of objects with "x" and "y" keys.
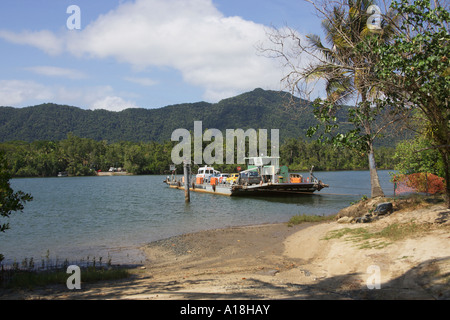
[
  {"x": 316, "y": 45},
  {"x": 346, "y": 73}
]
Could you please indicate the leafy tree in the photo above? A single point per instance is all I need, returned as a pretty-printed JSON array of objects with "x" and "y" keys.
[
  {"x": 347, "y": 74},
  {"x": 418, "y": 155},
  {"x": 414, "y": 72},
  {"x": 10, "y": 201}
]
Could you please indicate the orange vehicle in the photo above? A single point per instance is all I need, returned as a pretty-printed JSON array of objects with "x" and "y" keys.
[{"x": 295, "y": 178}]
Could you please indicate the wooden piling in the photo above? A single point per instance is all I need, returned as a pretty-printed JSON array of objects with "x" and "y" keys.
[{"x": 186, "y": 171}]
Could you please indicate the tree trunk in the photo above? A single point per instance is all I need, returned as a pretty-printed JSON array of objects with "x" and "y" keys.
[
  {"x": 376, "y": 190},
  {"x": 446, "y": 160}
]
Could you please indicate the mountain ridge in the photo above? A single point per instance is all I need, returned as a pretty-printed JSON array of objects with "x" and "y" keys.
[{"x": 257, "y": 109}]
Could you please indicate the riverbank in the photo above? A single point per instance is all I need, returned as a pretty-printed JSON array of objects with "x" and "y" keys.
[{"x": 274, "y": 261}]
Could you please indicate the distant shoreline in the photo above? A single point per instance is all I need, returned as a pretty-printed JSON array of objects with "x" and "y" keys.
[{"x": 105, "y": 173}]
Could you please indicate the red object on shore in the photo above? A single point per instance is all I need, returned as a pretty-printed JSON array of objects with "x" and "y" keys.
[{"x": 419, "y": 182}]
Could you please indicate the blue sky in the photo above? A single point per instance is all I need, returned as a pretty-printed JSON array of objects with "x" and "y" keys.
[{"x": 141, "y": 53}]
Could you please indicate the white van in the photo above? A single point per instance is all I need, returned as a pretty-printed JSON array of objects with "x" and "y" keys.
[{"x": 206, "y": 173}]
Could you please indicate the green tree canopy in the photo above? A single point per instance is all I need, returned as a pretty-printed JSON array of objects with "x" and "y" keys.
[
  {"x": 414, "y": 72},
  {"x": 10, "y": 200},
  {"x": 347, "y": 73}
]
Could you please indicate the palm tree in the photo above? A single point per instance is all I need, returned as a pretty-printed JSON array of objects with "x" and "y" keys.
[{"x": 347, "y": 72}]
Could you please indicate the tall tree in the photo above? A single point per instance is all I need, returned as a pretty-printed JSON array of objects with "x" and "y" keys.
[
  {"x": 346, "y": 72},
  {"x": 414, "y": 72}
]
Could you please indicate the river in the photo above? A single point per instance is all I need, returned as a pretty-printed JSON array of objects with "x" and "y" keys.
[{"x": 111, "y": 217}]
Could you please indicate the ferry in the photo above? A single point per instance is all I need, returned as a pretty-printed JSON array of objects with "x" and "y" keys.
[{"x": 263, "y": 177}]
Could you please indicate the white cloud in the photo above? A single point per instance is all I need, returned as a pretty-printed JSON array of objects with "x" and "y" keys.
[
  {"x": 18, "y": 93},
  {"x": 15, "y": 92},
  {"x": 44, "y": 40},
  {"x": 146, "y": 82},
  {"x": 210, "y": 50},
  {"x": 113, "y": 103},
  {"x": 58, "y": 72}
]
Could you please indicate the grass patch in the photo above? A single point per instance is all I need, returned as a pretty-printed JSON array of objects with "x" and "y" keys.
[
  {"x": 379, "y": 239},
  {"x": 28, "y": 274},
  {"x": 398, "y": 231},
  {"x": 337, "y": 234},
  {"x": 302, "y": 218},
  {"x": 30, "y": 279}
]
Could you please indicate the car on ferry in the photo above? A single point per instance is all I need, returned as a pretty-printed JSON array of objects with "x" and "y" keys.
[
  {"x": 249, "y": 178},
  {"x": 232, "y": 178},
  {"x": 223, "y": 177}
]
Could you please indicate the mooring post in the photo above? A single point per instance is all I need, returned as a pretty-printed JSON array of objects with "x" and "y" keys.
[{"x": 186, "y": 170}]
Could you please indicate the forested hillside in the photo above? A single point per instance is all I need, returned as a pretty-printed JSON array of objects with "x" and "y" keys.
[
  {"x": 258, "y": 109},
  {"x": 45, "y": 139}
]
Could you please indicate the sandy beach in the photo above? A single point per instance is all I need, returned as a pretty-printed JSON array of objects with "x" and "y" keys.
[{"x": 275, "y": 261}]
